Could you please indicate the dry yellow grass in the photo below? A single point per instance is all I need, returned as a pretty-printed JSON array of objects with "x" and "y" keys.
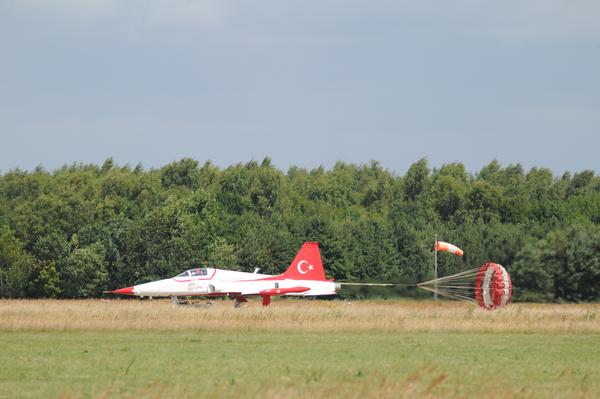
[
  {"x": 296, "y": 315},
  {"x": 297, "y": 349}
]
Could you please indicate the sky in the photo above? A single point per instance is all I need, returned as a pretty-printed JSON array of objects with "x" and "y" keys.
[{"x": 304, "y": 82}]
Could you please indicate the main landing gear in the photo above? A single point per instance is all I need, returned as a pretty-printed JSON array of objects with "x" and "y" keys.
[{"x": 189, "y": 301}]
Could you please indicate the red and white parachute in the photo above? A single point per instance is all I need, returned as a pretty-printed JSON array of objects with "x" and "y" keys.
[
  {"x": 493, "y": 287},
  {"x": 490, "y": 286}
]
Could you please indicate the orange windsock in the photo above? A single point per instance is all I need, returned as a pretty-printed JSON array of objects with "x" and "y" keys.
[{"x": 441, "y": 246}]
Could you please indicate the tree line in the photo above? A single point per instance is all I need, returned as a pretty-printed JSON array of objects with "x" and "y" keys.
[{"x": 84, "y": 228}]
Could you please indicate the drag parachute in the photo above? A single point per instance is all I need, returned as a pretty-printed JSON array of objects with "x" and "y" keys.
[
  {"x": 490, "y": 286},
  {"x": 493, "y": 287}
]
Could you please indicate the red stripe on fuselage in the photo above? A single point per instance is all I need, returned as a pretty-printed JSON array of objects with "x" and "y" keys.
[{"x": 281, "y": 277}]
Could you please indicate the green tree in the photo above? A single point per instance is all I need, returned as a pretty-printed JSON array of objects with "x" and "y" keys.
[
  {"x": 184, "y": 173},
  {"x": 484, "y": 201},
  {"x": 16, "y": 265},
  {"x": 416, "y": 180},
  {"x": 47, "y": 281},
  {"x": 222, "y": 255},
  {"x": 143, "y": 225},
  {"x": 85, "y": 273},
  {"x": 449, "y": 195}
]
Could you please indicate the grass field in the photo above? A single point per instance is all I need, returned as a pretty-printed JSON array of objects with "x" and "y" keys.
[{"x": 297, "y": 349}]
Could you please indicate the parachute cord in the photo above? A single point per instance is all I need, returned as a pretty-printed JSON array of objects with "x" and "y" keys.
[
  {"x": 457, "y": 276},
  {"x": 456, "y": 296},
  {"x": 380, "y": 284},
  {"x": 454, "y": 277},
  {"x": 464, "y": 272},
  {"x": 464, "y": 287},
  {"x": 458, "y": 286},
  {"x": 450, "y": 294}
]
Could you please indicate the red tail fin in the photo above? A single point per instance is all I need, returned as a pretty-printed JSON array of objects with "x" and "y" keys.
[{"x": 307, "y": 264}]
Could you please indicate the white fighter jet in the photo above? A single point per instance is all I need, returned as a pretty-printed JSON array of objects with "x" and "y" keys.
[{"x": 304, "y": 277}]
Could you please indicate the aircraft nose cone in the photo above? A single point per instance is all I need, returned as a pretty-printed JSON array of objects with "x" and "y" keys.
[{"x": 123, "y": 291}]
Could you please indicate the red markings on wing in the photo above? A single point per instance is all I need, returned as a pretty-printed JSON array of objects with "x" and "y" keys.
[
  {"x": 283, "y": 291},
  {"x": 266, "y": 294}
]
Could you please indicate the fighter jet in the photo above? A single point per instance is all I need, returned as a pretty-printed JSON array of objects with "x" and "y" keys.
[{"x": 304, "y": 277}]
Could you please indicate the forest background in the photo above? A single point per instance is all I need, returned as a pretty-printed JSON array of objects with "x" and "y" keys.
[{"x": 83, "y": 229}]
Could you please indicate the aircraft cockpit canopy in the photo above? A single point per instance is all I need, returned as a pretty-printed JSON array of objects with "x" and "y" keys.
[{"x": 194, "y": 272}]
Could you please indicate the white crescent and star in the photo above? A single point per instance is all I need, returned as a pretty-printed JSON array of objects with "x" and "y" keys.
[{"x": 301, "y": 270}]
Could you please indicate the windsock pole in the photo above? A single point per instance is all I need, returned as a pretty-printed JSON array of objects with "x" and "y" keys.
[{"x": 435, "y": 273}]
